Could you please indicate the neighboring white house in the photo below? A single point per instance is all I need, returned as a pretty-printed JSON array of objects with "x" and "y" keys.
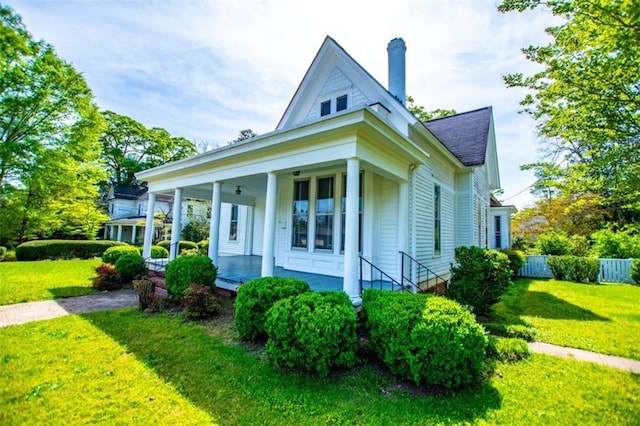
[
  {"x": 127, "y": 208},
  {"x": 348, "y": 172}
]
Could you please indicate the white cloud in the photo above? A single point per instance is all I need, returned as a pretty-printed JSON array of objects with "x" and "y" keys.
[{"x": 206, "y": 69}]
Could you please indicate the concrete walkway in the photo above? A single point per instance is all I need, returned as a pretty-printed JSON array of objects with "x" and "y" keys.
[
  {"x": 34, "y": 311},
  {"x": 582, "y": 355}
]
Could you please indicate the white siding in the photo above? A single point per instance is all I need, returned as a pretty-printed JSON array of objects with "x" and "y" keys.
[
  {"x": 481, "y": 206},
  {"x": 227, "y": 246},
  {"x": 337, "y": 84},
  {"x": 385, "y": 238},
  {"x": 258, "y": 225},
  {"x": 464, "y": 210}
]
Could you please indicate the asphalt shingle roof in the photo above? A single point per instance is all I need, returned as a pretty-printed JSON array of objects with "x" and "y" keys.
[{"x": 465, "y": 134}]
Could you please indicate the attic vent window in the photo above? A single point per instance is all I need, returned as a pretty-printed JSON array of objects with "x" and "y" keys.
[
  {"x": 341, "y": 103},
  {"x": 325, "y": 108}
]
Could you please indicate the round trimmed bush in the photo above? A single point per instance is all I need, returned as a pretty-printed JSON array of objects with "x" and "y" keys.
[
  {"x": 130, "y": 266},
  {"x": 199, "y": 303},
  {"x": 108, "y": 278},
  {"x": 428, "y": 339},
  {"x": 256, "y": 297},
  {"x": 158, "y": 252},
  {"x": 112, "y": 254},
  {"x": 182, "y": 245},
  {"x": 183, "y": 271},
  {"x": 312, "y": 332}
]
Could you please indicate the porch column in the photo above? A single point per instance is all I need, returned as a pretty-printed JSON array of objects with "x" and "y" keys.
[
  {"x": 106, "y": 232},
  {"x": 112, "y": 232},
  {"x": 148, "y": 228},
  {"x": 119, "y": 238},
  {"x": 269, "y": 226},
  {"x": 214, "y": 225},
  {"x": 175, "y": 224},
  {"x": 134, "y": 231},
  {"x": 403, "y": 224},
  {"x": 350, "y": 285}
]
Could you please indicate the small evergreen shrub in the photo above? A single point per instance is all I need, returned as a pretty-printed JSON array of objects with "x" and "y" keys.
[
  {"x": 186, "y": 270},
  {"x": 145, "y": 290},
  {"x": 256, "y": 297},
  {"x": 10, "y": 256},
  {"x": 63, "y": 249},
  {"x": 158, "y": 252},
  {"x": 131, "y": 266},
  {"x": 507, "y": 349},
  {"x": 203, "y": 247},
  {"x": 112, "y": 254},
  {"x": 514, "y": 331},
  {"x": 182, "y": 245},
  {"x": 574, "y": 268},
  {"x": 198, "y": 302},
  {"x": 3, "y": 253},
  {"x": 554, "y": 243},
  {"x": 516, "y": 260},
  {"x": 164, "y": 244},
  {"x": 312, "y": 332},
  {"x": 480, "y": 277},
  {"x": 427, "y": 339},
  {"x": 635, "y": 271},
  {"x": 108, "y": 278}
]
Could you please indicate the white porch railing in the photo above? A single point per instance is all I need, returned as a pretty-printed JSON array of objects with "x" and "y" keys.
[{"x": 611, "y": 270}]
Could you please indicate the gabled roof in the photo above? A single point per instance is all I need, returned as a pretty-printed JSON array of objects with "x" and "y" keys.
[
  {"x": 128, "y": 192},
  {"x": 466, "y": 134}
]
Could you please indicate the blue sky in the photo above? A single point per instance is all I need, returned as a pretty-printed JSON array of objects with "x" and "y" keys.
[{"x": 207, "y": 69}]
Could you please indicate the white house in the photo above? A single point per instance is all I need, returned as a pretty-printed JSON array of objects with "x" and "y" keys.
[
  {"x": 348, "y": 172},
  {"x": 127, "y": 208}
]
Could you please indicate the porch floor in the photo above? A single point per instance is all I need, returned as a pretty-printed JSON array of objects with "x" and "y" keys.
[{"x": 237, "y": 269}]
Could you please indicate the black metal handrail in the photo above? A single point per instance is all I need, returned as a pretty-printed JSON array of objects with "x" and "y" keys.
[
  {"x": 416, "y": 273},
  {"x": 395, "y": 285}
]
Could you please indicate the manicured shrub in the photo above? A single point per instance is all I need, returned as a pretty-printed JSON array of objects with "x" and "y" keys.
[
  {"x": 623, "y": 244},
  {"x": 186, "y": 270},
  {"x": 158, "y": 252},
  {"x": 3, "y": 253},
  {"x": 554, "y": 243},
  {"x": 182, "y": 245},
  {"x": 198, "y": 302},
  {"x": 10, "y": 256},
  {"x": 515, "y": 331},
  {"x": 108, "y": 278},
  {"x": 516, "y": 260},
  {"x": 428, "y": 339},
  {"x": 480, "y": 277},
  {"x": 145, "y": 290},
  {"x": 635, "y": 271},
  {"x": 203, "y": 247},
  {"x": 131, "y": 266},
  {"x": 112, "y": 254},
  {"x": 312, "y": 332},
  {"x": 507, "y": 349},
  {"x": 63, "y": 249},
  {"x": 256, "y": 297},
  {"x": 574, "y": 268}
]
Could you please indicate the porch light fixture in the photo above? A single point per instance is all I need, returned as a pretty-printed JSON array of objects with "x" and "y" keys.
[{"x": 238, "y": 190}]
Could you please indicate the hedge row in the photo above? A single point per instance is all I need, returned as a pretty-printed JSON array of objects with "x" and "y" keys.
[
  {"x": 428, "y": 339},
  {"x": 63, "y": 249},
  {"x": 574, "y": 268}
]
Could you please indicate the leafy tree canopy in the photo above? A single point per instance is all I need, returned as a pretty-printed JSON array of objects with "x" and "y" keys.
[
  {"x": 423, "y": 115},
  {"x": 243, "y": 135},
  {"x": 49, "y": 148},
  {"x": 129, "y": 147},
  {"x": 586, "y": 97}
]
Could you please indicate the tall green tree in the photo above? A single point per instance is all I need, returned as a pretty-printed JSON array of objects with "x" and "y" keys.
[
  {"x": 586, "y": 96},
  {"x": 129, "y": 147},
  {"x": 49, "y": 128}
]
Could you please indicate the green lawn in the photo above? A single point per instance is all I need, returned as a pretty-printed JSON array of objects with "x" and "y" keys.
[
  {"x": 125, "y": 367},
  {"x": 602, "y": 318},
  {"x": 45, "y": 279}
]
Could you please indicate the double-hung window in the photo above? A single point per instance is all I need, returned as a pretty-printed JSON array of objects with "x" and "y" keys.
[
  {"x": 324, "y": 213},
  {"x": 233, "y": 223},
  {"x": 300, "y": 217},
  {"x": 497, "y": 221},
  {"x": 437, "y": 220}
]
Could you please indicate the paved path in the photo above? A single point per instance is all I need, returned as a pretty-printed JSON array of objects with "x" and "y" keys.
[
  {"x": 34, "y": 311},
  {"x": 581, "y": 355}
]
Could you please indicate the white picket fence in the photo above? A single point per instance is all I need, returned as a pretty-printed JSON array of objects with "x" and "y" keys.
[{"x": 611, "y": 270}]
